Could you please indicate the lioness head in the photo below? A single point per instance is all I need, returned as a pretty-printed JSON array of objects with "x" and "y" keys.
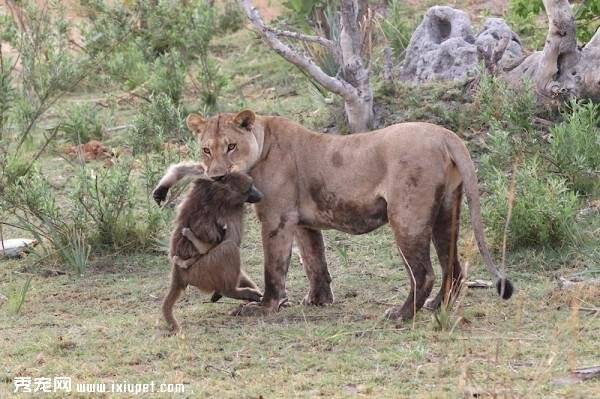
[{"x": 228, "y": 142}]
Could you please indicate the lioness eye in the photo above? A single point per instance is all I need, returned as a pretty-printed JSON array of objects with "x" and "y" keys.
[
  {"x": 206, "y": 150},
  {"x": 231, "y": 147}
]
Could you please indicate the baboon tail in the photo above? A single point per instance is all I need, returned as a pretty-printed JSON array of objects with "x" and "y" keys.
[{"x": 461, "y": 157}]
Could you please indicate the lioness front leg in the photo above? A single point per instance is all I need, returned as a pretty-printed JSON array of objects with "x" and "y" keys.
[
  {"x": 312, "y": 251},
  {"x": 277, "y": 239}
]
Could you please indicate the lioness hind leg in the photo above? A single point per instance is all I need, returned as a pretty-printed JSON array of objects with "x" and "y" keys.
[
  {"x": 413, "y": 245},
  {"x": 445, "y": 238},
  {"x": 312, "y": 252}
]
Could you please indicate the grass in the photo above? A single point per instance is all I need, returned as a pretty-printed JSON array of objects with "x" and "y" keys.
[{"x": 106, "y": 326}]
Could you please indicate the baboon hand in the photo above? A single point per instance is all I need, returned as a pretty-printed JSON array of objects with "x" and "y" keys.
[
  {"x": 160, "y": 194},
  {"x": 186, "y": 232}
]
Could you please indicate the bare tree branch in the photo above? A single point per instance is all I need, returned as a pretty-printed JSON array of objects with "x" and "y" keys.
[
  {"x": 332, "y": 84},
  {"x": 305, "y": 38}
]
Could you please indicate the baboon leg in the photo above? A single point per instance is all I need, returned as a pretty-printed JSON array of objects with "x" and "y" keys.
[
  {"x": 200, "y": 246},
  {"x": 412, "y": 232},
  {"x": 167, "y": 306},
  {"x": 445, "y": 238},
  {"x": 312, "y": 251},
  {"x": 245, "y": 282},
  {"x": 249, "y": 294}
]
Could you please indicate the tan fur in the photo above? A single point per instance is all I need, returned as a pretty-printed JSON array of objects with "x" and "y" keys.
[
  {"x": 410, "y": 175},
  {"x": 205, "y": 242}
]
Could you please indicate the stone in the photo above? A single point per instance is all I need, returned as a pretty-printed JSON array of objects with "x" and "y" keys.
[
  {"x": 13, "y": 248},
  {"x": 443, "y": 47}
]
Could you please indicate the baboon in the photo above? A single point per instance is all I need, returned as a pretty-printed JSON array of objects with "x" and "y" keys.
[{"x": 204, "y": 249}]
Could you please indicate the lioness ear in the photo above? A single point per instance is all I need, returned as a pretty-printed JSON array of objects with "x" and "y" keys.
[
  {"x": 245, "y": 119},
  {"x": 195, "y": 122}
]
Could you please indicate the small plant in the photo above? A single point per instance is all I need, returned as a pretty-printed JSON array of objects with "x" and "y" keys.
[
  {"x": 81, "y": 124},
  {"x": 503, "y": 107},
  {"x": 17, "y": 295},
  {"x": 543, "y": 212},
  {"x": 212, "y": 83},
  {"x": 168, "y": 76},
  {"x": 398, "y": 27},
  {"x": 575, "y": 147},
  {"x": 158, "y": 121},
  {"x": 522, "y": 16},
  {"x": 231, "y": 18},
  {"x": 76, "y": 252},
  {"x": 107, "y": 198}
]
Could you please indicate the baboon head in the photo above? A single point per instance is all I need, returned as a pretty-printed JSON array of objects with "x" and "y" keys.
[{"x": 239, "y": 188}]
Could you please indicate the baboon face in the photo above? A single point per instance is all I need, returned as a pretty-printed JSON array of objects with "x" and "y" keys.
[{"x": 240, "y": 188}]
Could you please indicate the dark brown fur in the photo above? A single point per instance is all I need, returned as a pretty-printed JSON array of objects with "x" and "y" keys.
[{"x": 213, "y": 211}]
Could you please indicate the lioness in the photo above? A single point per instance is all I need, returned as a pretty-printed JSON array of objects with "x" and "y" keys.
[{"x": 410, "y": 175}]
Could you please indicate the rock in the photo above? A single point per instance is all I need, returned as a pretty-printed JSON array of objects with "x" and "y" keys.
[
  {"x": 492, "y": 31},
  {"x": 15, "y": 247},
  {"x": 443, "y": 46}
]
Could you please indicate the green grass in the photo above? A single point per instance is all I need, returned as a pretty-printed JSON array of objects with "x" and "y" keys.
[{"x": 106, "y": 326}]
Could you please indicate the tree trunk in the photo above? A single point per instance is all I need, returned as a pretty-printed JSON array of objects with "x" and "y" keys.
[
  {"x": 561, "y": 70},
  {"x": 353, "y": 85},
  {"x": 359, "y": 108}
]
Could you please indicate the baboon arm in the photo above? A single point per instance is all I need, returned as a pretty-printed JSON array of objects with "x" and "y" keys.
[
  {"x": 201, "y": 246},
  {"x": 174, "y": 174}
]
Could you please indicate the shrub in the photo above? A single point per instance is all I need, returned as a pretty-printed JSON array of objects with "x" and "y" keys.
[
  {"x": 107, "y": 198},
  {"x": 158, "y": 121},
  {"x": 231, "y": 18},
  {"x": 81, "y": 124},
  {"x": 506, "y": 108},
  {"x": 575, "y": 147},
  {"x": 168, "y": 76},
  {"x": 543, "y": 209},
  {"x": 398, "y": 27}
]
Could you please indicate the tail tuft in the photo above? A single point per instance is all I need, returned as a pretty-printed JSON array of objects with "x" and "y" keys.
[{"x": 508, "y": 288}]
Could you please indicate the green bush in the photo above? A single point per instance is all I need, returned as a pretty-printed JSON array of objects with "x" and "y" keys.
[
  {"x": 231, "y": 18},
  {"x": 543, "y": 211},
  {"x": 81, "y": 124},
  {"x": 159, "y": 121},
  {"x": 398, "y": 26},
  {"x": 168, "y": 76},
  {"x": 503, "y": 107},
  {"x": 575, "y": 147},
  {"x": 107, "y": 198}
]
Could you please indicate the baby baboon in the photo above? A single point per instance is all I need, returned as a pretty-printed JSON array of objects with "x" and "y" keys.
[{"x": 205, "y": 243}]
